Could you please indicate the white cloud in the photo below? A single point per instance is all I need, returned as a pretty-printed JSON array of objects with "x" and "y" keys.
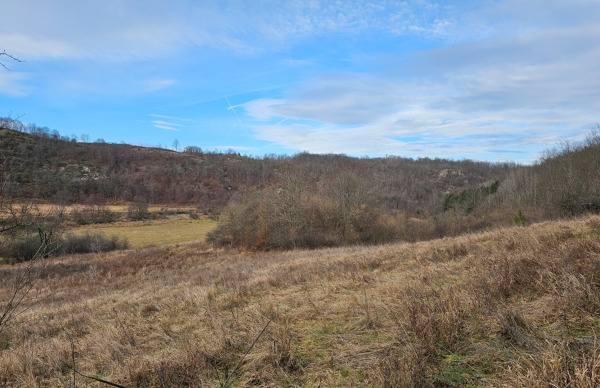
[
  {"x": 112, "y": 30},
  {"x": 166, "y": 125},
  {"x": 234, "y": 148},
  {"x": 129, "y": 30},
  {"x": 519, "y": 92},
  {"x": 515, "y": 75},
  {"x": 32, "y": 46},
  {"x": 166, "y": 117}
]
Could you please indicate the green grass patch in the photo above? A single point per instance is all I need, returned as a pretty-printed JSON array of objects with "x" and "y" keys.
[
  {"x": 459, "y": 371},
  {"x": 155, "y": 233}
]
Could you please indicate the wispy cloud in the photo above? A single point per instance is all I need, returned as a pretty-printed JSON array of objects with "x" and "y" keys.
[
  {"x": 234, "y": 148},
  {"x": 153, "y": 85},
  {"x": 414, "y": 77},
  {"x": 133, "y": 30},
  {"x": 168, "y": 125},
  {"x": 166, "y": 117},
  {"x": 544, "y": 83},
  {"x": 164, "y": 125}
]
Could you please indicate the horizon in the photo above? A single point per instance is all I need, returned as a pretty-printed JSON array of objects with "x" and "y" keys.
[{"x": 496, "y": 81}]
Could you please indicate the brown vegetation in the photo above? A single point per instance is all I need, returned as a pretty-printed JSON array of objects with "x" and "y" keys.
[
  {"x": 48, "y": 167},
  {"x": 514, "y": 307},
  {"x": 303, "y": 210}
]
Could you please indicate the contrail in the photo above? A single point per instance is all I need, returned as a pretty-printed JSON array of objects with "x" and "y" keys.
[{"x": 231, "y": 107}]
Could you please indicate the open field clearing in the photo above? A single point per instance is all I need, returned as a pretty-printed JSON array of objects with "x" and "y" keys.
[
  {"x": 154, "y": 233},
  {"x": 514, "y": 307}
]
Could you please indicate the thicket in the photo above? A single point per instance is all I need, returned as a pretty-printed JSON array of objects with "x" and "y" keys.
[
  {"x": 309, "y": 210},
  {"x": 565, "y": 182},
  {"x": 31, "y": 246},
  {"x": 97, "y": 214},
  {"x": 569, "y": 178},
  {"x": 296, "y": 214}
]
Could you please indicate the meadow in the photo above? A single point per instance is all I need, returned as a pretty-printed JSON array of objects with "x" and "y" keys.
[
  {"x": 153, "y": 233},
  {"x": 517, "y": 306}
]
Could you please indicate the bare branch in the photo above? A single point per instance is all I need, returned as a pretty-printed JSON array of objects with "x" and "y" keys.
[{"x": 4, "y": 53}]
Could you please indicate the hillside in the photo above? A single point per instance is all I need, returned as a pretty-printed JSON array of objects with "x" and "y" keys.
[
  {"x": 514, "y": 307},
  {"x": 48, "y": 167},
  {"x": 300, "y": 201}
]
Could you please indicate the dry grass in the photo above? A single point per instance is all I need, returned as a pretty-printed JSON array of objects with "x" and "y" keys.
[
  {"x": 515, "y": 307},
  {"x": 154, "y": 233}
]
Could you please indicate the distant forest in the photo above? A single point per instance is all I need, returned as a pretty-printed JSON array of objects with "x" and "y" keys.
[
  {"x": 304, "y": 200},
  {"x": 49, "y": 167}
]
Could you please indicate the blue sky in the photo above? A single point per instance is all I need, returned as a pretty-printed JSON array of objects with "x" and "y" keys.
[{"x": 488, "y": 80}]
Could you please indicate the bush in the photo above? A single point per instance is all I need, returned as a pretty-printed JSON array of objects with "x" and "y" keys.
[
  {"x": 94, "y": 215},
  {"x": 23, "y": 249},
  {"x": 138, "y": 211},
  {"x": 29, "y": 247},
  {"x": 91, "y": 242},
  {"x": 288, "y": 219}
]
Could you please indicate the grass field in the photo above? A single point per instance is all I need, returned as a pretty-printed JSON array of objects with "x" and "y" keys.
[
  {"x": 154, "y": 233},
  {"x": 517, "y": 307}
]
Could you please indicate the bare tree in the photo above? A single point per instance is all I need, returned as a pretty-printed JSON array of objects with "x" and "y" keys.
[
  {"x": 22, "y": 279},
  {"x": 21, "y": 282}
]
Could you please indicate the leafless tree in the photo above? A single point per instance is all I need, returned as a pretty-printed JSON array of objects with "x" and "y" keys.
[{"x": 21, "y": 280}]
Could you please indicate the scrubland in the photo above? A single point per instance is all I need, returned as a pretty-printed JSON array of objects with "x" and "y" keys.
[{"x": 512, "y": 307}]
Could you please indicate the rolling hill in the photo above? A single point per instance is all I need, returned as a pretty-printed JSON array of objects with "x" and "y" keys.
[{"x": 47, "y": 167}]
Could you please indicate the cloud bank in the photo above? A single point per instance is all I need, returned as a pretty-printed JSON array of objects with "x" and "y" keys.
[{"x": 503, "y": 92}]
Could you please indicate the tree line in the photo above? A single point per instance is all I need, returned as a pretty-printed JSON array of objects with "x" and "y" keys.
[
  {"x": 303, "y": 200},
  {"x": 45, "y": 166}
]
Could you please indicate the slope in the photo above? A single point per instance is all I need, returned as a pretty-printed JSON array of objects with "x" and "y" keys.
[
  {"x": 44, "y": 166},
  {"x": 514, "y": 307}
]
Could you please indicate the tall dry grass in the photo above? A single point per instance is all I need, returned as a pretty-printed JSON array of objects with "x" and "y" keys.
[{"x": 514, "y": 307}]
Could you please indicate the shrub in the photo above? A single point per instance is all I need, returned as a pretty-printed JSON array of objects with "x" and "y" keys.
[
  {"x": 138, "y": 211},
  {"x": 30, "y": 246},
  {"x": 91, "y": 242},
  {"x": 276, "y": 219},
  {"x": 94, "y": 215},
  {"x": 22, "y": 249}
]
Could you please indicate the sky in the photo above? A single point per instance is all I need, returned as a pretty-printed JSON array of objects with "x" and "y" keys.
[{"x": 495, "y": 80}]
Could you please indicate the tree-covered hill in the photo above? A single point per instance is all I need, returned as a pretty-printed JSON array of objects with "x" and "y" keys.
[{"x": 45, "y": 166}]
